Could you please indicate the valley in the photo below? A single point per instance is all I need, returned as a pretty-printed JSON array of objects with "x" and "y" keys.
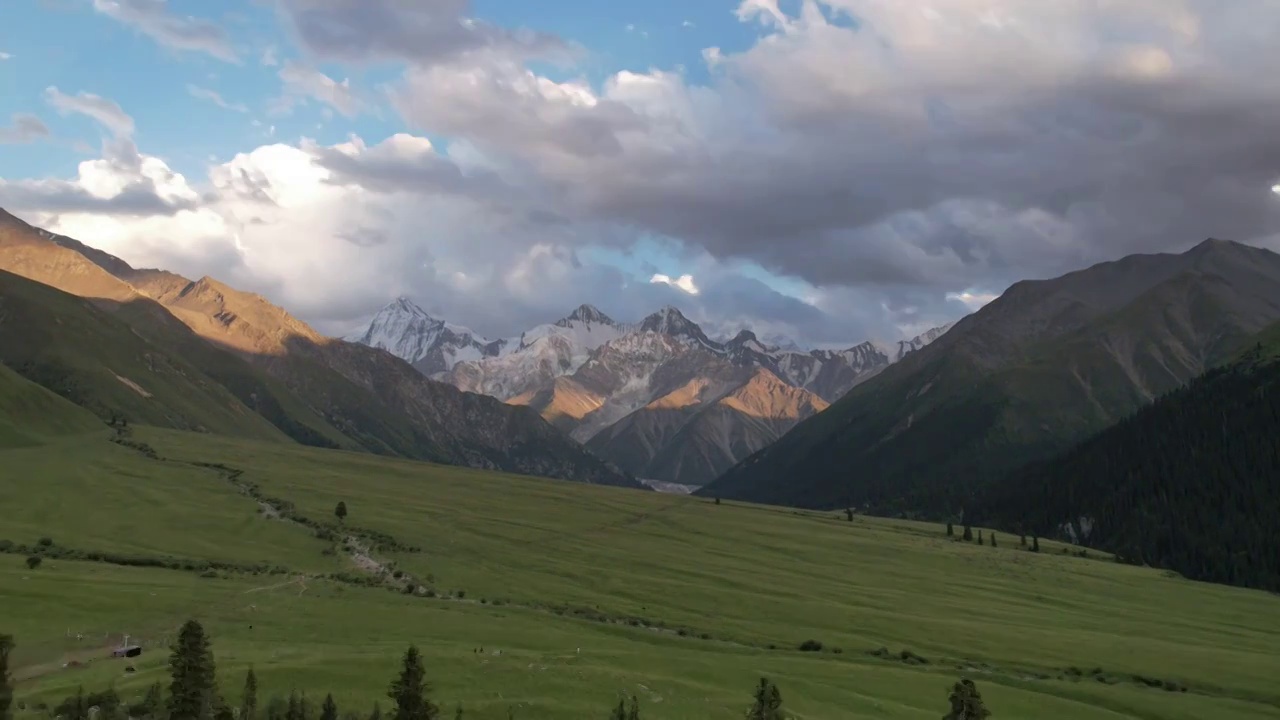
[{"x": 578, "y": 593}]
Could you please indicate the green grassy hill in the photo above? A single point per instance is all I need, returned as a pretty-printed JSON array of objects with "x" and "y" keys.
[
  {"x": 30, "y": 414},
  {"x": 97, "y": 361},
  {"x": 577, "y": 593}
]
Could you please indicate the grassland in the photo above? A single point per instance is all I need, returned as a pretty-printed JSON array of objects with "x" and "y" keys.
[{"x": 577, "y": 593}]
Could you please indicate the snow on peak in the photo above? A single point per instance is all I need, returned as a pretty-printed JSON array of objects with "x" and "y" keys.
[
  {"x": 585, "y": 314},
  {"x": 670, "y": 321}
]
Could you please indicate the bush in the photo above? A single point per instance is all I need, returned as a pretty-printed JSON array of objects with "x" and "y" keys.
[
  {"x": 810, "y": 646},
  {"x": 34, "y": 561},
  {"x": 45, "y": 542}
]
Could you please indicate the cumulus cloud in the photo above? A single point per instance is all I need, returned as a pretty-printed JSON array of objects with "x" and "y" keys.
[
  {"x": 154, "y": 19},
  {"x": 899, "y": 166},
  {"x": 26, "y": 128},
  {"x": 684, "y": 282},
  {"x": 6, "y": 56},
  {"x": 107, "y": 112}
]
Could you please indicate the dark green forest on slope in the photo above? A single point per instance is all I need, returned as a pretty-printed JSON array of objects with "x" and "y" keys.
[{"x": 1190, "y": 482}]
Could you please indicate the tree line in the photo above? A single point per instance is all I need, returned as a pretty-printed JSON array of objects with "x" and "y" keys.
[
  {"x": 1187, "y": 483},
  {"x": 193, "y": 694}
]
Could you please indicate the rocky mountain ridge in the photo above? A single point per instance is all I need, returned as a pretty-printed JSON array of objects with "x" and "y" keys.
[{"x": 659, "y": 397}]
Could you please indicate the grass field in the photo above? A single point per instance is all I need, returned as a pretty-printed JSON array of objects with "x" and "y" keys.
[{"x": 578, "y": 593}]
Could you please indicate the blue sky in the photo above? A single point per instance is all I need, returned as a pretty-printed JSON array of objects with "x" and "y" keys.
[{"x": 97, "y": 54}]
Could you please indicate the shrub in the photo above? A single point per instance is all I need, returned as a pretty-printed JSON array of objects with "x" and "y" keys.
[
  {"x": 810, "y": 646},
  {"x": 45, "y": 542},
  {"x": 33, "y": 562},
  {"x": 209, "y": 574},
  {"x": 462, "y": 594}
]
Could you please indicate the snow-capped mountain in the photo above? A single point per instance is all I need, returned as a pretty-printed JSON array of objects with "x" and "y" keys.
[
  {"x": 539, "y": 355},
  {"x": 659, "y": 397},
  {"x": 430, "y": 345}
]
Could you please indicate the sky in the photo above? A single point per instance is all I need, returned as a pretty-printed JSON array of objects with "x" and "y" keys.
[{"x": 826, "y": 171}]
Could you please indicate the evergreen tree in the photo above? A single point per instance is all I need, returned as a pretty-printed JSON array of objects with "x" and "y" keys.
[
  {"x": 619, "y": 711},
  {"x": 966, "y": 702},
  {"x": 152, "y": 705},
  {"x": 249, "y": 700},
  {"x": 993, "y": 539},
  {"x": 980, "y": 538},
  {"x": 634, "y": 712},
  {"x": 191, "y": 690},
  {"x": 341, "y": 511},
  {"x": 848, "y": 513},
  {"x": 377, "y": 712},
  {"x": 294, "y": 711},
  {"x": 767, "y": 702},
  {"x": 6, "y": 680},
  {"x": 1035, "y": 544},
  {"x": 968, "y": 534},
  {"x": 222, "y": 710},
  {"x": 277, "y": 709},
  {"x": 409, "y": 691},
  {"x": 457, "y": 714},
  {"x": 329, "y": 710},
  {"x": 951, "y": 530},
  {"x": 1022, "y": 539},
  {"x": 75, "y": 707}
]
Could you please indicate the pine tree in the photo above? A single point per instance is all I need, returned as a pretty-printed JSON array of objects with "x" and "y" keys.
[
  {"x": 634, "y": 712},
  {"x": 409, "y": 691},
  {"x": 620, "y": 711},
  {"x": 294, "y": 711},
  {"x": 993, "y": 539},
  {"x": 277, "y": 709},
  {"x": 767, "y": 702},
  {"x": 968, "y": 534},
  {"x": 152, "y": 706},
  {"x": 6, "y": 680},
  {"x": 222, "y": 711},
  {"x": 377, "y": 712},
  {"x": 457, "y": 714},
  {"x": 1035, "y": 544},
  {"x": 951, "y": 530},
  {"x": 249, "y": 700},
  {"x": 980, "y": 538},
  {"x": 848, "y": 513},
  {"x": 191, "y": 690},
  {"x": 75, "y": 707},
  {"x": 341, "y": 511},
  {"x": 1023, "y": 539},
  {"x": 329, "y": 710},
  {"x": 966, "y": 702}
]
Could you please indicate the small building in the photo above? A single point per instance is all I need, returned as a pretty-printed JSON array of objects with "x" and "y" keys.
[{"x": 127, "y": 651}]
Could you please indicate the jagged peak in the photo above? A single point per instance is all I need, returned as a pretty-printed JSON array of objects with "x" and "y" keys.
[
  {"x": 669, "y": 320},
  {"x": 585, "y": 313},
  {"x": 743, "y": 337}
]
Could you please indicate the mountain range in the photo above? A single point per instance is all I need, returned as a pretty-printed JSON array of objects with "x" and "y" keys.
[
  {"x": 160, "y": 349},
  {"x": 1042, "y": 367},
  {"x": 658, "y": 397}
]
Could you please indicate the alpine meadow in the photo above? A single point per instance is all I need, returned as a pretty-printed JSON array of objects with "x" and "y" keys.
[{"x": 763, "y": 359}]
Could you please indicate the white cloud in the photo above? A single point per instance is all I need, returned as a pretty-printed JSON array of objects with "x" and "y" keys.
[
  {"x": 26, "y": 128},
  {"x": 300, "y": 80},
  {"x": 105, "y": 111},
  {"x": 153, "y": 19},
  {"x": 684, "y": 282},
  {"x": 688, "y": 24},
  {"x": 211, "y": 96},
  {"x": 269, "y": 57},
  {"x": 974, "y": 301},
  {"x": 6, "y": 56}
]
